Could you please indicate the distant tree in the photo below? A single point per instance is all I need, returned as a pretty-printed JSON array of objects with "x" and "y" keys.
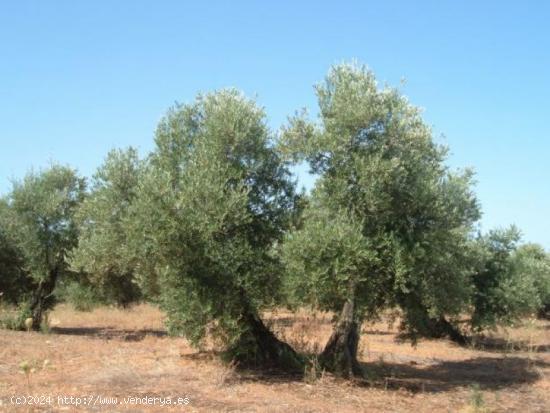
[
  {"x": 103, "y": 255},
  {"x": 386, "y": 221},
  {"x": 533, "y": 262},
  {"x": 15, "y": 283},
  {"x": 42, "y": 225},
  {"x": 506, "y": 283},
  {"x": 510, "y": 282},
  {"x": 214, "y": 199},
  {"x": 502, "y": 290}
]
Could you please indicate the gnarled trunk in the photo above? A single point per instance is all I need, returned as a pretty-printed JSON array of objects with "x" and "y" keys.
[
  {"x": 43, "y": 299},
  {"x": 257, "y": 347},
  {"x": 340, "y": 353}
]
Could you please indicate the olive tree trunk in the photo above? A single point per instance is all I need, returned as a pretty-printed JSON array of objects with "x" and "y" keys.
[
  {"x": 258, "y": 347},
  {"x": 42, "y": 298},
  {"x": 340, "y": 353}
]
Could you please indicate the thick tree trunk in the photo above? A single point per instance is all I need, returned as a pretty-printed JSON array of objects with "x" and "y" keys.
[
  {"x": 258, "y": 347},
  {"x": 42, "y": 299},
  {"x": 340, "y": 353}
]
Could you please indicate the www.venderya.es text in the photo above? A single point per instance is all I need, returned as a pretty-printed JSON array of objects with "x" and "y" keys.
[{"x": 97, "y": 400}]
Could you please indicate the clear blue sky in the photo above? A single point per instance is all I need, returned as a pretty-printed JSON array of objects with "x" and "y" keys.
[{"x": 79, "y": 78}]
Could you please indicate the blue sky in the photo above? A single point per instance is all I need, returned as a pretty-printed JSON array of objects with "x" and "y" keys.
[{"x": 79, "y": 78}]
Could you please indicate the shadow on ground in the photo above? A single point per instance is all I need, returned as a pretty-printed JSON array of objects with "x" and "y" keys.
[
  {"x": 107, "y": 333},
  {"x": 494, "y": 344},
  {"x": 489, "y": 373},
  {"x": 486, "y": 372}
]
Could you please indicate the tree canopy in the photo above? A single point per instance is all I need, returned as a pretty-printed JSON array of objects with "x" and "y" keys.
[
  {"x": 103, "y": 253},
  {"x": 42, "y": 208},
  {"x": 14, "y": 281},
  {"x": 387, "y": 219},
  {"x": 215, "y": 197}
]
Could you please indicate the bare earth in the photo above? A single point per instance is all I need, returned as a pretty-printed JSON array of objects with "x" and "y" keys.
[{"x": 111, "y": 353}]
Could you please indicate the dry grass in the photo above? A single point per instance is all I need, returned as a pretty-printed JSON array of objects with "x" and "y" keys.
[{"x": 118, "y": 353}]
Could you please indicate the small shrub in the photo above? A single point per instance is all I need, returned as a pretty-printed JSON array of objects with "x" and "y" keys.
[
  {"x": 477, "y": 402},
  {"x": 227, "y": 373},
  {"x": 313, "y": 370},
  {"x": 14, "y": 317}
]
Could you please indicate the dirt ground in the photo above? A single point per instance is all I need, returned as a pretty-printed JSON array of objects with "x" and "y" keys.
[{"x": 112, "y": 360}]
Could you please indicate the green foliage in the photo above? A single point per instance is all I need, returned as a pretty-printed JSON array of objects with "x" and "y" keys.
[
  {"x": 13, "y": 316},
  {"x": 43, "y": 206},
  {"x": 102, "y": 253},
  {"x": 84, "y": 295},
  {"x": 387, "y": 222},
  {"x": 213, "y": 200},
  {"x": 327, "y": 256},
  {"x": 80, "y": 296},
  {"x": 477, "y": 401},
  {"x": 503, "y": 290},
  {"x": 41, "y": 209},
  {"x": 14, "y": 280},
  {"x": 532, "y": 264}
]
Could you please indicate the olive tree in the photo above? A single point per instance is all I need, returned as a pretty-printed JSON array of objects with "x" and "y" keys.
[
  {"x": 15, "y": 283},
  {"x": 42, "y": 208},
  {"x": 533, "y": 262},
  {"x": 102, "y": 253},
  {"x": 386, "y": 221},
  {"x": 505, "y": 282},
  {"x": 214, "y": 199},
  {"x": 509, "y": 282}
]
